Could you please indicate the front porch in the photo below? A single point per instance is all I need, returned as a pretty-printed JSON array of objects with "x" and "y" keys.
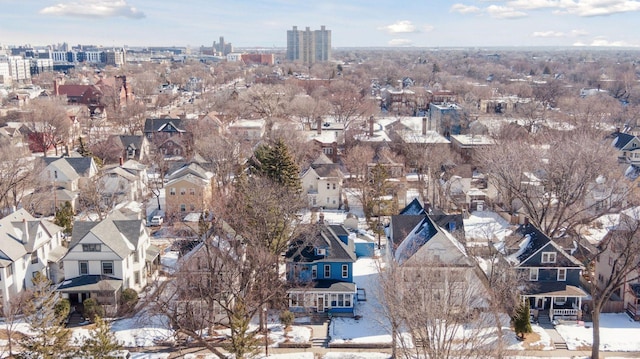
[
  {"x": 331, "y": 297},
  {"x": 560, "y": 303},
  {"x": 633, "y": 303},
  {"x": 104, "y": 289}
]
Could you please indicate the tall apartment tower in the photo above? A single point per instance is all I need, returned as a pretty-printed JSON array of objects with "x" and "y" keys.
[{"x": 309, "y": 46}]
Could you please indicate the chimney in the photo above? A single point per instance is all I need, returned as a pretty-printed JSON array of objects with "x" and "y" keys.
[
  {"x": 424, "y": 126},
  {"x": 371, "y": 126},
  {"x": 319, "y": 125},
  {"x": 526, "y": 221},
  {"x": 25, "y": 234},
  {"x": 121, "y": 161},
  {"x": 321, "y": 220}
]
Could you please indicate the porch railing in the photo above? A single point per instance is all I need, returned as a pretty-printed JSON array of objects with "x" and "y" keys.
[{"x": 565, "y": 312}]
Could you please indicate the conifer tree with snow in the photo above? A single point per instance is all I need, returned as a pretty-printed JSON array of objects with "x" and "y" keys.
[
  {"x": 101, "y": 342},
  {"x": 521, "y": 322},
  {"x": 49, "y": 338}
]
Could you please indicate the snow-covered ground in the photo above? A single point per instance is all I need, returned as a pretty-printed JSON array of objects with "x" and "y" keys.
[
  {"x": 372, "y": 327},
  {"x": 617, "y": 333}
]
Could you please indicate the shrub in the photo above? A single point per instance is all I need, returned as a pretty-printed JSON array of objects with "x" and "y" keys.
[
  {"x": 62, "y": 309},
  {"x": 92, "y": 309},
  {"x": 521, "y": 322},
  {"x": 286, "y": 318},
  {"x": 128, "y": 300}
]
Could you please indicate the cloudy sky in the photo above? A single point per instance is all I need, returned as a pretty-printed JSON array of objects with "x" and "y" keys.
[{"x": 430, "y": 23}]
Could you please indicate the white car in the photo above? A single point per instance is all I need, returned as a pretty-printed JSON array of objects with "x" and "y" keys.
[{"x": 156, "y": 221}]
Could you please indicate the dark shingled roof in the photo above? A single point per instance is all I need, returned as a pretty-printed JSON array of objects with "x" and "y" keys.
[
  {"x": 401, "y": 226},
  {"x": 413, "y": 208},
  {"x": 320, "y": 236},
  {"x": 537, "y": 240},
  {"x": 621, "y": 139},
  {"x": 80, "y": 164},
  {"x": 155, "y": 124}
]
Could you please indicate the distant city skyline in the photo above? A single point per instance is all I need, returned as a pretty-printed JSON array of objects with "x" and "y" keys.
[{"x": 354, "y": 23}]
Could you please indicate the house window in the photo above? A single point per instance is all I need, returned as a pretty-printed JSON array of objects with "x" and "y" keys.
[
  {"x": 107, "y": 267},
  {"x": 34, "y": 257},
  {"x": 172, "y": 191},
  {"x": 347, "y": 300},
  {"x": 327, "y": 271},
  {"x": 183, "y": 191},
  {"x": 91, "y": 247},
  {"x": 327, "y": 200},
  {"x": 183, "y": 208},
  {"x": 10, "y": 270},
  {"x": 83, "y": 267},
  {"x": 328, "y": 186},
  {"x": 136, "y": 259},
  {"x": 548, "y": 257},
  {"x": 136, "y": 277},
  {"x": 314, "y": 272},
  {"x": 560, "y": 300},
  {"x": 345, "y": 271},
  {"x": 533, "y": 274},
  {"x": 192, "y": 191},
  {"x": 334, "y": 186},
  {"x": 562, "y": 274},
  {"x": 55, "y": 174}
]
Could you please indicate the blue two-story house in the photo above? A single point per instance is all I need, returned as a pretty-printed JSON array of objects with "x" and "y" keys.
[
  {"x": 552, "y": 275},
  {"x": 319, "y": 267}
]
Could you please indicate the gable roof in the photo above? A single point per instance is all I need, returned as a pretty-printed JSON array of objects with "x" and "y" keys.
[
  {"x": 115, "y": 231},
  {"x": 533, "y": 241},
  {"x": 14, "y": 229},
  {"x": 80, "y": 165},
  {"x": 621, "y": 139},
  {"x": 321, "y": 236},
  {"x": 426, "y": 233},
  {"x": 192, "y": 169},
  {"x": 160, "y": 124},
  {"x": 413, "y": 208}
]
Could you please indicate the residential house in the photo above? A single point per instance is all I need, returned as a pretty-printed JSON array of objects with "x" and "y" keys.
[
  {"x": 430, "y": 252},
  {"x": 319, "y": 268},
  {"x": 131, "y": 147},
  {"x": 446, "y": 118},
  {"x": 28, "y": 246},
  {"x": 628, "y": 146},
  {"x": 624, "y": 228},
  {"x": 169, "y": 137},
  {"x": 107, "y": 257},
  {"x": 398, "y": 101},
  {"x": 63, "y": 178},
  {"x": 188, "y": 190},
  {"x": 118, "y": 185},
  {"x": 467, "y": 145},
  {"x": 323, "y": 183},
  {"x": 327, "y": 135},
  {"x": 248, "y": 130},
  {"x": 553, "y": 276}
]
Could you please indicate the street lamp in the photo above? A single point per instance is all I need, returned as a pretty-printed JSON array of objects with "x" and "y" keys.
[{"x": 266, "y": 333}]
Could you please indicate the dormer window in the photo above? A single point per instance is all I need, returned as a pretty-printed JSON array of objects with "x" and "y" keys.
[
  {"x": 92, "y": 247},
  {"x": 548, "y": 257},
  {"x": 321, "y": 251}
]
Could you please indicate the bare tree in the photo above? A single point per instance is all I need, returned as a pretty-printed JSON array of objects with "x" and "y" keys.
[
  {"x": 224, "y": 282},
  {"x": 615, "y": 260},
  {"x": 349, "y": 103},
  {"x": 18, "y": 175},
  {"x": 48, "y": 124},
  {"x": 437, "y": 311},
  {"x": 563, "y": 179}
]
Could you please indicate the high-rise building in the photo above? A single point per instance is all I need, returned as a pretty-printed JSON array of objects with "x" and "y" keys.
[
  {"x": 309, "y": 46},
  {"x": 222, "y": 48}
]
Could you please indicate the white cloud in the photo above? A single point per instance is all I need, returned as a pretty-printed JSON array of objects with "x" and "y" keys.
[
  {"x": 548, "y": 34},
  {"x": 533, "y": 4},
  {"x": 400, "y": 42},
  {"x": 603, "y": 42},
  {"x": 598, "y": 7},
  {"x": 464, "y": 9},
  {"x": 94, "y": 9},
  {"x": 504, "y": 12},
  {"x": 400, "y": 27},
  {"x": 578, "y": 32},
  {"x": 427, "y": 28}
]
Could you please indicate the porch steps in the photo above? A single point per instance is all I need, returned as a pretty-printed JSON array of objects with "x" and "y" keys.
[
  {"x": 560, "y": 345},
  {"x": 74, "y": 320},
  {"x": 320, "y": 342}
]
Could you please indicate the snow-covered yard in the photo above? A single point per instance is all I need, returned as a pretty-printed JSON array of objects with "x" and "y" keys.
[
  {"x": 617, "y": 333},
  {"x": 483, "y": 226},
  {"x": 372, "y": 327}
]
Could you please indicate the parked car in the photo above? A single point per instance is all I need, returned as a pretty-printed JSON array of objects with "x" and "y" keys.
[{"x": 156, "y": 221}]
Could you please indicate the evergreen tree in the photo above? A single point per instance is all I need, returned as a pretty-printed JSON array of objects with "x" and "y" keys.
[
  {"x": 101, "y": 341},
  {"x": 276, "y": 163},
  {"x": 521, "y": 321},
  {"x": 49, "y": 338},
  {"x": 243, "y": 340},
  {"x": 64, "y": 218}
]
